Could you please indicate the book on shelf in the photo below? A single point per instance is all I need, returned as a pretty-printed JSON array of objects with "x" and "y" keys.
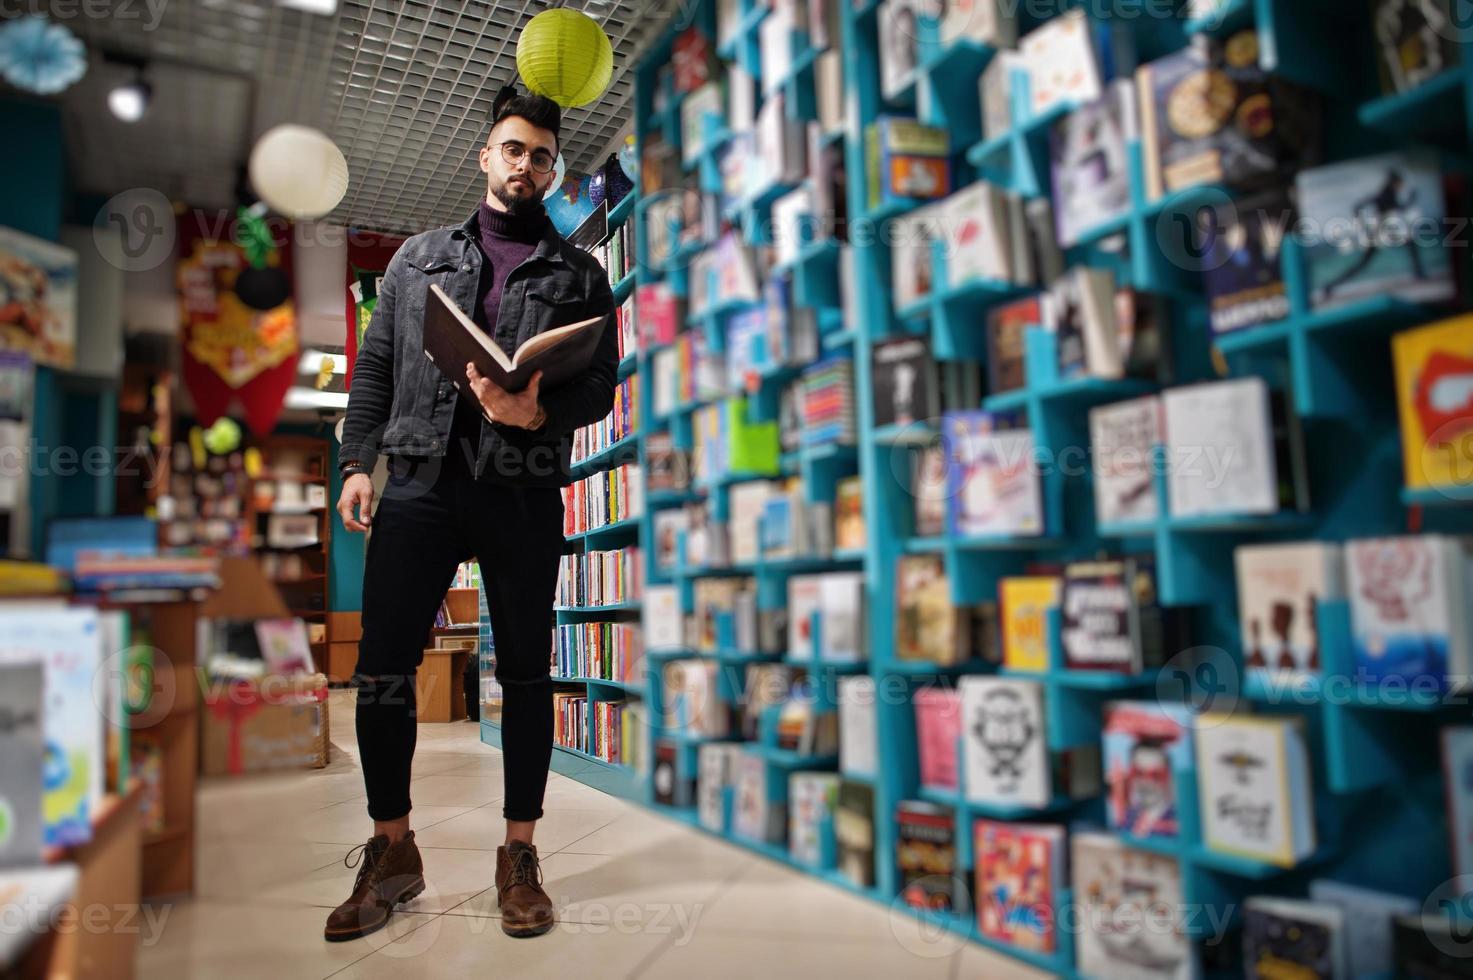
[
  {"x": 899, "y": 42},
  {"x": 661, "y": 618},
  {"x": 1005, "y": 757},
  {"x": 1369, "y": 218},
  {"x": 1242, "y": 247},
  {"x": 854, "y": 832},
  {"x": 702, "y": 110},
  {"x": 608, "y": 651},
  {"x": 23, "y": 744},
  {"x": 1428, "y": 945},
  {"x": 849, "y": 527},
  {"x": 1020, "y": 875},
  {"x": 1123, "y": 440},
  {"x": 600, "y": 578},
  {"x": 828, "y": 81},
  {"x": 146, "y": 759},
  {"x": 930, "y": 490},
  {"x": 930, "y": 626},
  {"x": 1062, "y": 63},
  {"x": 1210, "y": 114},
  {"x": 767, "y": 686},
  {"x": 1089, "y": 164},
  {"x": 452, "y": 340},
  {"x": 992, "y": 481},
  {"x": 755, "y": 816},
  {"x": 858, "y": 749},
  {"x": 925, "y": 855},
  {"x": 833, "y": 605},
  {"x": 791, "y": 214},
  {"x": 1411, "y": 608},
  {"x": 659, "y": 314},
  {"x": 1254, "y": 784},
  {"x": 977, "y": 233},
  {"x": 823, "y": 21},
  {"x": 905, "y": 161},
  {"x": 995, "y": 91},
  {"x": 745, "y": 502},
  {"x": 912, "y": 257},
  {"x": 1415, "y": 42},
  {"x": 828, "y": 403},
  {"x": 780, "y": 145},
  {"x": 906, "y": 382},
  {"x": 670, "y": 787},
  {"x": 938, "y": 713},
  {"x": 829, "y": 178},
  {"x": 1114, "y": 882},
  {"x": 690, "y": 701},
  {"x": 693, "y": 59},
  {"x": 986, "y": 22},
  {"x": 1024, "y": 603},
  {"x": 1006, "y": 326},
  {"x": 1079, "y": 310},
  {"x": 1280, "y": 587},
  {"x": 776, "y": 45},
  {"x": 1232, "y": 447},
  {"x": 716, "y": 765},
  {"x": 1457, "y": 774},
  {"x": 1434, "y": 400},
  {"x": 667, "y": 467},
  {"x": 1145, "y": 745},
  {"x": 669, "y": 525},
  {"x": 1368, "y": 915},
  {"x": 1112, "y": 619},
  {"x": 812, "y": 798},
  {"x": 1292, "y": 936}
]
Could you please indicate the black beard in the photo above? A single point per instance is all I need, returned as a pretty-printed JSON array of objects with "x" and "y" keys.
[{"x": 517, "y": 204}]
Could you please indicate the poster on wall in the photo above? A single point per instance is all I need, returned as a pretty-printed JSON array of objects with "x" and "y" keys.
[
  {"x": 38, "y": 298},
  {"x": 232, "y": 346},
  {"x": 368, "y": 257}
]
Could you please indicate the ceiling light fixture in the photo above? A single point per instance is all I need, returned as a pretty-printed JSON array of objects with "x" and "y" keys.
[{"x": 128, "y": 101}]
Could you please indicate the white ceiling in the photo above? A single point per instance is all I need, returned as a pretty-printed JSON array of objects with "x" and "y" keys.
[{"x": 404, "y": 87}]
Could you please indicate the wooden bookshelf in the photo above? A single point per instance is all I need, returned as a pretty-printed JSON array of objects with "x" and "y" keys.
[{"x": 293, "y": 466}]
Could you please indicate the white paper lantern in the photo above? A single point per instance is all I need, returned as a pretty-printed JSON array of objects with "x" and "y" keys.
[
  {"x": 558, "y": 170},
  {"x": 298, "y": 171}
]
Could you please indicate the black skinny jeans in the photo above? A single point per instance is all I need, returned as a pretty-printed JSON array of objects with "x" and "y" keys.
[{"x": 433, "y": 516}]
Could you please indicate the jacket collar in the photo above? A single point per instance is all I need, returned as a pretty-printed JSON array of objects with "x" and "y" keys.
[{"x": 549, "y": 247}]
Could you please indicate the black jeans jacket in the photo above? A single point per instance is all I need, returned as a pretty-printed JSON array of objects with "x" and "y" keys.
[{"x": 400, "y": 403}]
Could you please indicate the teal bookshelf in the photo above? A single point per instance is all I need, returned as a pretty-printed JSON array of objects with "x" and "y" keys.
[{"x": 1378, "y": 793}]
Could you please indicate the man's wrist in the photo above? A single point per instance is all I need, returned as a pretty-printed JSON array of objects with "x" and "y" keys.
[
  {"x": 539, "y": 418},
  {"x": 349, "y": 467}
]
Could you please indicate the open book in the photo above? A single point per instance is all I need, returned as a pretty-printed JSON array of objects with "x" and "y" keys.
[{"x": 452, "y": 339}]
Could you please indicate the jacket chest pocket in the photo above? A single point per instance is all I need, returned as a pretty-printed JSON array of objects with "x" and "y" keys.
[{"x": 552, "y": 304}]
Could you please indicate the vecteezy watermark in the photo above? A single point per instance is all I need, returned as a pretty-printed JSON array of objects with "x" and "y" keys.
[
  {"x": 150, "y": 12},
  {"x": 31, "y": 915},
  {"x": 925, "y": 917},
  {"x": 1204, "y": 677},
  {"x": 1447, "y": 917}
]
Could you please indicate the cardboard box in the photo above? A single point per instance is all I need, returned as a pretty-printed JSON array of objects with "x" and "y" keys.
[{"x": 257, "y": 726}]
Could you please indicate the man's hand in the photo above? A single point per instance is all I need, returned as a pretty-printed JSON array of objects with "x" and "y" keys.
[
  {"x": 520, "y": 410},
  {"x": 357, "y": 491}
]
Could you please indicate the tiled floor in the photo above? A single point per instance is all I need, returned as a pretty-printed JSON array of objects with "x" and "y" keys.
[{"x": 638, "y": 895}]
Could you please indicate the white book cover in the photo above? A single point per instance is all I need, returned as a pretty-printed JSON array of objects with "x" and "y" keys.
[
  {"x": 995, "y": 91},
  {"x": 1061, "y": 62},
  {"x": 714, "y": 769},
  {"x": 1080, "y": 309},
  {"x": 789, "y": 213},
  {"x": 805, "y": 607},
  {"x": 775, "y": 41},
  {"x": 912, "y": 269},
  {"x": 811, "y": 799},
  {"x": 68, "y": 641},
  {"x": 842, "y": 625},
  {"x": 1409, "y": 599},
  {"x": 666, "y": 389},
  {"x": 983, "y": 21},
  {"x": 746, "y": 502},
  {"x": 975, "y": 232},
  {"x": 994, "y": 477},
  {"x": 691, "y": 702},
  {"x": 1457, "y": 771},
  {"x": 1115, "y": 883},
  {"x": 1005, "y": 757},
  {"x": 828, "y": 79},
  {"x": 741, "y": 99},
  {"x": 23, "y": 747},
  {"x": 749, "y": 807},
  {"x": 1254, "y": 788},
  {"x": 1367, "y": 915},
  {"x": 899, "y": 45},
  {"x": 857, "y": 733},
  {"x": 1220, "y": 449},
  {"x": 1122, "y": 439},
  {"x": 728, "y": 17},
  {"x": 1091, "y": 177},
  {"x": 1280, "y": 587},
  {"x": 662, "y": 618},
  {"x": 694, "y": 109}
]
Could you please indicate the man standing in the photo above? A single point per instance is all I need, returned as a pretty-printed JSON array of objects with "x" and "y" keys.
[{"x": 467, "y": 482}]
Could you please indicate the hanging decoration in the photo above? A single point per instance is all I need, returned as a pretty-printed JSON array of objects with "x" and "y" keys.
[
  {"x": 298, "y": 171},
  {"x": 570, "y": 204},
  {"x": 39, "y": 56},
  {"x": 368, "y": 256},
  {"x": 231, "y": 348},
  {"x": 223, "y": 438},
  {"x": 629, "y": 158},
  {"x": 565, "y": 55}
]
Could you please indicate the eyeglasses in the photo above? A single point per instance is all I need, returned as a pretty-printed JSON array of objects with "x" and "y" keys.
[{"x": 512, "y": 153}]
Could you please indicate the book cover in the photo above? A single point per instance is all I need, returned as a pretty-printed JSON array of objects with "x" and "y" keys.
[
  {"x": 751, "y": 813},
  {"x": 1408, "y": 604},
  {"x": 23, "y": 746},
  {"x": 992, "y": 483},
  {"x": 1280, "y": 587},
  {"x": 1211, "y": 115},
  {"x": 1006, "y": 369},
  {"x": 984, "y": 21},
  {"x": 938, "y": 730},
  {"x": 1062, "y": 64},
  {"x": 912, "y": 270},
  {"x": 842, "y": 638},
  {"x": 284, "y": 646},
  {"x": 1414, "y": 42},
  {"x": 906, "y": 161},
  {"x": 1145, "y": 744},
  {"x": 976, "y": 235},
  {"x": 1123, "y": 437},
  {"x": 1025, "y": 602},
  {"x": 1005, "y": 755},
  {"x": 1080, "y": 310},
  {"x": 805, "y": 612},
  {"x": 1116, "y": 883},
  {"x": 1019, "y": 874},
  {"x": 691, "y": 704},
  {"x": 812, "y": 797},
  {"x": 1457, "y": 774},
  {"x": 1104, "y": 605},
  {"x": 899, "y": 34},
  {"x": 1242, "y": 247},
  {"x": 665, "y": 778},
  {"x": 1434, "y": 400},
  {"x": 854, "y": 832},
  {"x": 858, "y": 750},
  {"x": 905, "y": 382},
  {"x": 849, "y": 528},
  {"x": 1367, "y": 915},
  {"x": 694, "y": 60},
  {"x": 662, "y": 618},
  {"x": 925, "y": 854},
  {"x": 658, "y": 314},
  {"x": 1220, "y": 449},
  {"x": 1088, "y": 163},
  {"x": 929, "y": 488},
  {"x": 714, "y": 762},
  {"x": 995, "y": 92},
  {"x": 1254, "y": 785},
  {"x": 1287, "y": 937},
  {"x": 926, "y": 618},
  {"x": 1372, "y": 218},
  {"x": 701, "y": 112}
]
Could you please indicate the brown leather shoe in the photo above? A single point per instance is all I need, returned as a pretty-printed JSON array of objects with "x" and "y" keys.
[
  {"x": 525, "y": 908},
  {"x": 390, "y": 874}
]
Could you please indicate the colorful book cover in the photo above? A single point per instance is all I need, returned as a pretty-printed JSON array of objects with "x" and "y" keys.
[
  {"x": 750, "y": 807},
  {"x": 23, "y": 746},
  {"x": 1061, "y": 63},
  {"x": 1242, "y": 246},
  {"x": 992, "y": 482},
  {"x": 1091, "y": 176},
  {"x": 905, "y": 382},
  {"x": 849, "y": 528},
  {"x": 1025, "y": 602},
  {"x": 805, "y": 608},
  {"x": 925, "y": 615},
  {"x": 1457, "y": 772},
  {"x": 1415, "y": 41},
  {"x": 1116, "y": 883},
  {"x": 1123, "y": 437},
  {"x": 1287, "y": 937},
  {"x": 284, "y": 646},
  {"x": 1371, "y": 217},
  {"x": 1100, "y": 626},
  {"x": 812, "y": 798},
  {"x": 714, "y": 775},
  {"x": 976, "y": 235},
  {"x": 1280, "y": 587},
  {"x": 854, "y": 832},
  {"x": 1018, "y": 878},
  {"x": 925, "y": 854},
  {"x": 1434, "y": 399},
  {"x": 1256, "y": 798},
  {"x": 1006, "y": 368},
  {"x": 938, "y": 732},
  {"x": 1409, "y": 602},
  {"x": 1005, "y": 756},
  {"x": 665, "y": 779},
  {"x": 1145, "y": 745}
]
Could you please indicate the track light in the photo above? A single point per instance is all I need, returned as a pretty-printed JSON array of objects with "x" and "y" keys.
[{"x": 129, "y": 101}]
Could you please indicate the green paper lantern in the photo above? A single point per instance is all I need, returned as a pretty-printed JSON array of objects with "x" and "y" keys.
[{"x": 564, "y": 55}]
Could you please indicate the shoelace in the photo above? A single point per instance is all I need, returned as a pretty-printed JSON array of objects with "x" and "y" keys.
[
  {"x": 362, "y": 853},
  {"x": 524, "y": 869}
]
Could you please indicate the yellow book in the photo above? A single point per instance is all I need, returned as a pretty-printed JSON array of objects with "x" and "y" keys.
[
  {"x": 1434, "y": 397},
  {"x": 1025, "y": 604}
]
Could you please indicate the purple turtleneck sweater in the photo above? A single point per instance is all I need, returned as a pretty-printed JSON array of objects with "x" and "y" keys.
[{"x": 506, "y": 240}]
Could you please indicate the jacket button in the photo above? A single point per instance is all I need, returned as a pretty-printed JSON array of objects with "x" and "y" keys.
[
  {"x": 465, "y": 268},
  {"x": 435, "y": 444}
]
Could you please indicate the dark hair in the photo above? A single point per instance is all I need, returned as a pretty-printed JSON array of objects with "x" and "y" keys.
[{"x": 538, "y": 110}]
